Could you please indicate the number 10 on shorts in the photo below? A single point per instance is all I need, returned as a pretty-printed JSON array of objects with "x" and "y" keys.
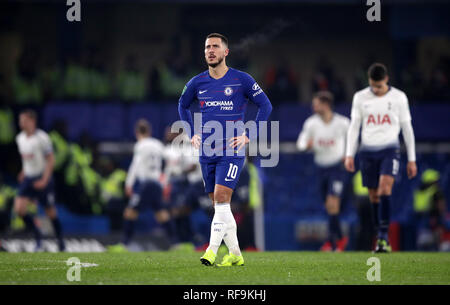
[{"x": 232, "y": 171}]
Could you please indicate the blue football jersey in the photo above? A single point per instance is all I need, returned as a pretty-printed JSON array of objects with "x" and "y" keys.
[{"x": 220, "y": 101}]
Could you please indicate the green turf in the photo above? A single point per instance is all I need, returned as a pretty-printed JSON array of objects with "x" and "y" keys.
[{"x": 286, "y": 268}]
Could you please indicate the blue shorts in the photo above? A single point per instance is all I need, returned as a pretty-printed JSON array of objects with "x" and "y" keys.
[
  {"x": 373, "y": 164},
  {"x": 223, "y": 170},
  {"x": 146, "y": 194},
  {"x": 178, "y": 192},
  {"x": 45, "y": 197},
  {"x": 332, "y": 180}
]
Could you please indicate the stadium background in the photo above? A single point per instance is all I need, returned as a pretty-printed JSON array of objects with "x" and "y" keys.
[{"x": 91, "y": 80}]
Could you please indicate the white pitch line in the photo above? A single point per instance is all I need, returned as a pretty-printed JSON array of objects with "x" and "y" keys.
[
  {"x": 60, "y": 261},
  {"x": 87, "y": 265},
  {"x": 41, "y": 268},
  {"x": 32, "y": 269},
  {"x": 83, "y": 265}
]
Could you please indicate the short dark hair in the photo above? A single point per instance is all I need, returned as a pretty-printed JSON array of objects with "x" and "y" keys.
[
  {"x": 30, "y": 113},
  {"x": 217, "y": 35},
  {"x": 325, "y": 97},
  {"x": 142, "y": 127},
  {"x": 377, "y": 71}
]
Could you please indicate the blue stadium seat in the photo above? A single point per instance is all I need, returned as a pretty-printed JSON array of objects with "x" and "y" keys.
[
  {"x": 291, "y": 119},
  {"x": 169, "y": 114},
  {"x": 430, "y": 122},
  {"x": 151, "y": 112},
  {"x": 82, "y": 224},
  {"x": 108, "y": 122},
  {"x": 78, "y": 117}
]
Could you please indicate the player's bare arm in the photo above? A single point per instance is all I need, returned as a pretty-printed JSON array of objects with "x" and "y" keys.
[
  {"x": 128, "y": 191},
  {"x": 411, "y": 169},
  {"x": 20, "y": 176}
]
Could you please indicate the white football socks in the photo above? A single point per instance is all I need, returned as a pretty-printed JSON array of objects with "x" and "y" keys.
[
  {"x": 218, "y": 225},
  {"x": 230, "y": 237},
  {"x": 224, "y": 227}
]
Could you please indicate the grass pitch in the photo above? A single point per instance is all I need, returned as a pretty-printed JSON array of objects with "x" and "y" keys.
[{"x": 264, "y": 268}]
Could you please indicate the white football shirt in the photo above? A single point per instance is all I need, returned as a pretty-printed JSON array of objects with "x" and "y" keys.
[
  {"x": 328, "y": 138},
  {"x": 179, "y": 158},
  {"x": 33, "y": 150},
  {"x": 192, "y": 160},
  {"x": 381, "y": 118},
  {"x": 173, "y": 161},
  {"x": 147, "y": 161}
]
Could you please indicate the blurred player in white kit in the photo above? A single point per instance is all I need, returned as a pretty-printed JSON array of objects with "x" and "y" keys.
[
  {"x": 143, "y": 186},
  {"x": 324, "y": 133},
  {"x": 36, "y": 183},
  {"x": 182, "y": 170}
]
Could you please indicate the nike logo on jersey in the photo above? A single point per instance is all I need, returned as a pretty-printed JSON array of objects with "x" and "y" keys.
[
  {"x": 202, "y": 91},
  {"x": 226, "y": 179}
]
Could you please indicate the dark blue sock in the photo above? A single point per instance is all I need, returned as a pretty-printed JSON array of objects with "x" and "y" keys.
[
  {"x": 338, "y": 227},
  {"x": 334, "y": 229},
  {"x": 29, "y": 222},
  {"x": 170, "y": 229},
  {"x": 57, "y": 227},
  {"x": 384, "y": 217},
  {"x": 58, "y": 232},
  {"x": 184, "y": 231},
  {"x": 128, "y": 231},
  {"x": 375, "y": 215}
]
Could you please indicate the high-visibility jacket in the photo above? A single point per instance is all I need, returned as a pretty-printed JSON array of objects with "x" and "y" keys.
[
  {"x": 6, "y": 194},
  {"x": 26, "y": 91},
  {"x": 61, "y": 149},
  {"x": 76, "y": 82},
  {"x": 253, "y": 186},
  {"x": 131, "y": 86},
  {"x": 358, "y": 188},
  {"x": 112, "y": 186},
  {"x": 7, "y": 128},
  {"x": 423, "y": 197}
]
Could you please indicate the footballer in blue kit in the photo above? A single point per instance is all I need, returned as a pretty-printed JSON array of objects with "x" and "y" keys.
[{"x": 223, "y": 94}]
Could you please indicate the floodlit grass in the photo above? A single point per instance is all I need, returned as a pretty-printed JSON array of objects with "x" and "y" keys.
[{"x": 263, "y": 268}]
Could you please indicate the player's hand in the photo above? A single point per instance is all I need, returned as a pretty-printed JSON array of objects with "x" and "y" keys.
[
  {"x": 20, "y": 176},
  {"x": 411, "y": 169},
  {"x": 239, "y": 141},
  {"x": 349, "y": 164},
  {"x": 40, "y": 184},
  {"x": 128, "y": 191},
  {"x": 195, "y": 141},
  {"x": 310, "y": 144}
]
